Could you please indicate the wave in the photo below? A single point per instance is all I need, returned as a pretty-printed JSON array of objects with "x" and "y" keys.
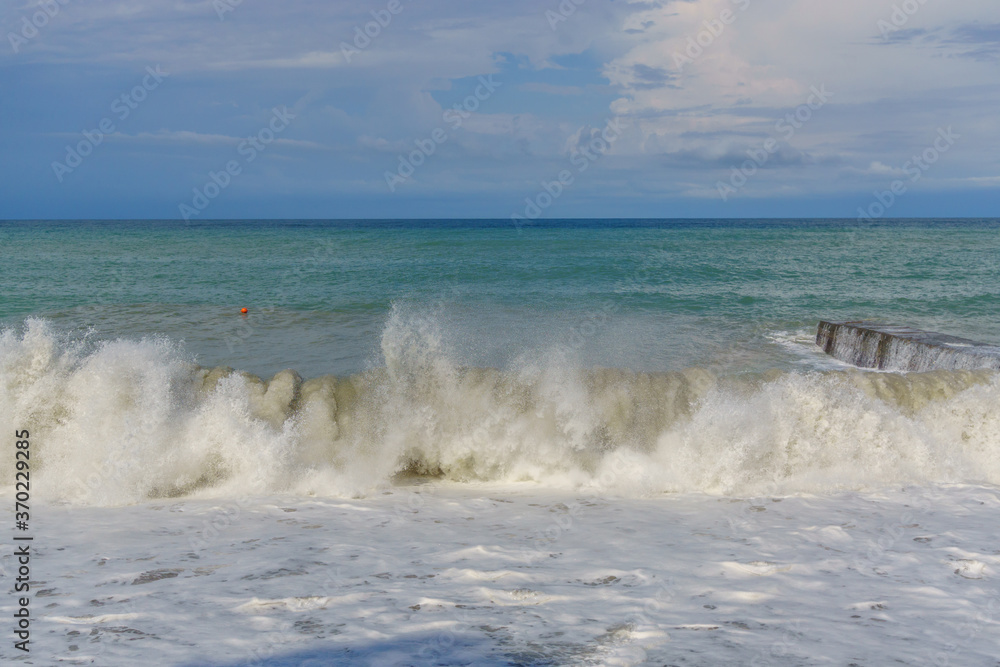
[{"x": 128, "y": 420}]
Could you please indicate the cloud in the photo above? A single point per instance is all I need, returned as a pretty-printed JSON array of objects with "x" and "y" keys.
[
  {"x": 978, "y": 33},
  {"x": 189, "y": 137},
  {"x": 977, "y": 41},
  {"x": 875, "y": 169},
  {"x": 699, "y": 83},
  {"x": 550, "y": 89}
]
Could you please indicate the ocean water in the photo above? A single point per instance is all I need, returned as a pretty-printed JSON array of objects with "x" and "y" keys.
[
  {"x": 477, "y": 351},
  {"x": 501, "y": 404},
  {"x": 669, "y": 295}
]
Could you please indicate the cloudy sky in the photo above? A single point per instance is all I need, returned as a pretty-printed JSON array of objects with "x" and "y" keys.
[{"x": 461, "y": 108}]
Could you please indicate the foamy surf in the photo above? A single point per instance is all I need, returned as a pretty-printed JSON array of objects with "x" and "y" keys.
[
  {"x": 736, "y": 496},
  {"x": 123, "y": 421},
  {"x": 429, "y": 576}
]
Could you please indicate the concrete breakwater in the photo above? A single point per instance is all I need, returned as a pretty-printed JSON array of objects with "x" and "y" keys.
[{"x": 896, "y": 348}]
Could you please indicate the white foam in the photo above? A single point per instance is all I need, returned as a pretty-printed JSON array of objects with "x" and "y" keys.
[
  {"x": 498, "y": 575},
  {"x": 125, "y": 421}
]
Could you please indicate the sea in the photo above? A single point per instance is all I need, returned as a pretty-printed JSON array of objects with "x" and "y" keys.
[{"x": 469, "y": 442}]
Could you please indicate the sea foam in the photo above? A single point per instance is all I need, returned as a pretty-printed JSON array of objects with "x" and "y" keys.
[{"x": 122, "y": 421}]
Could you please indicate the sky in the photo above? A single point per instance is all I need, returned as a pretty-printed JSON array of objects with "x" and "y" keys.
[{"x": 217, "y": 109}]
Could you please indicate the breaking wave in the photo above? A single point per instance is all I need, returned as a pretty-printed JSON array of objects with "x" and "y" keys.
[{"x": 128, "y": 420}]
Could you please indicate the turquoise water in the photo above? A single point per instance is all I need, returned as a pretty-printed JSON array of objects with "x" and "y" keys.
[
  {"x": 644, "y": 295},
  {"x": 631, "y": 357}
]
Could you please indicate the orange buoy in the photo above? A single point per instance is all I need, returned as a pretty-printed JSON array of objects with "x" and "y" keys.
[{"x": 244, "y": 311}]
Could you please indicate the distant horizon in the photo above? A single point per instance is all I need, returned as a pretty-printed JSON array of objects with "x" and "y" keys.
[{"x": 507, "y": 221}]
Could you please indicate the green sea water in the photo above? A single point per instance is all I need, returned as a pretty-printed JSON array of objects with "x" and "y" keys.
[
  {"x": 633, "y": 357},
  {"x": 728, "y": 295}
]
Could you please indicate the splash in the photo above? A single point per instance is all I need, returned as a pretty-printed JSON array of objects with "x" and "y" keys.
[{"x": 128, "y": 420}]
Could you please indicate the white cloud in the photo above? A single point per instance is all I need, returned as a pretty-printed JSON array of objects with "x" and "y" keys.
[
  {"x": 689, "y": 120},
  {"x": 551, "y": 89},
  {"x": 189, "y": 137}
]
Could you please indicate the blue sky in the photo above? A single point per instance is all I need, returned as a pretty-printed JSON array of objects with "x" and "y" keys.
[{"x": 655, "y": 108}]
